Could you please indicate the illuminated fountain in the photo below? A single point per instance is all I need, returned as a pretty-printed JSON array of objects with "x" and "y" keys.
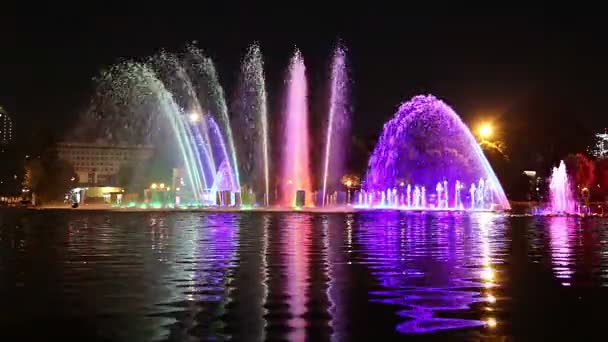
[
  {"x": 251, "y": 120},
  {"x": 338, "y": 124},
  {"x": 176, "y": 100},
  {"x": 426, "y": 158},
  {"x": 427, "y": 147},
  {"x": 562, "y": 199},
  {"x": 295, "y": 172}
]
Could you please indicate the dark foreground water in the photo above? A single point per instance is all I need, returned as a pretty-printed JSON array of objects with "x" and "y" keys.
[{"x": 95, "y": 276}]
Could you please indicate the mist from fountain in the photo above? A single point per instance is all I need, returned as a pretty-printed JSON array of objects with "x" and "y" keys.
[
  {"x": 251, "y": 118},
  {"x": 160, "y": 101}
]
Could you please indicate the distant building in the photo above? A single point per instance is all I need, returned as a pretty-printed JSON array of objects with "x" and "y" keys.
[
  {"x": 535, "y": 184},
  {"x": 600, "y": 150},
  {"x": 6, "y": 128},
  {"x": 97, "y": 163}
]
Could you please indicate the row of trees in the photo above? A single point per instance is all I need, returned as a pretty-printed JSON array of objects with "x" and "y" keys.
[
  {"x": 589, "y": 174},
  {"x": 49, "y": 178}
]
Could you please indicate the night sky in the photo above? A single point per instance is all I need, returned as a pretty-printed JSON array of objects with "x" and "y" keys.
[{"x": 540, "y": 76}]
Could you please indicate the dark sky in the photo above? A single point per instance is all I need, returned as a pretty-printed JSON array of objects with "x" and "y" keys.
[{"x": 520, "y": 68}]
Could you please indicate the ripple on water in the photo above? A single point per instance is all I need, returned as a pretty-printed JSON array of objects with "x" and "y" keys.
[{"x": 290, "y": 276}]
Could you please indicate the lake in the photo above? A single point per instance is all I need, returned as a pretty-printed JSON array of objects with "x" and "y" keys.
[{"x": 248, "y": 276}]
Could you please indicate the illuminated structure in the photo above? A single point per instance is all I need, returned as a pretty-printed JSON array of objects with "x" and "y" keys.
[
  {"x": 6, "y": 128},
  {"x": 96, "y": 163},
  {"x": 427, "y": 158},
  {"x": 600, "y": 149}
]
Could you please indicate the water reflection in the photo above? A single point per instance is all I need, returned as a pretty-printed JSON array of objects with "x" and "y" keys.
[
  {"x": 430, "y": 264},
  {"x": 561, "y": 253},
  {"x": 200, "y": 259},
  {"x": 297, "y": 243},
  {"x": 338, "y": 244},
  {"x": 277, "y": 276}
]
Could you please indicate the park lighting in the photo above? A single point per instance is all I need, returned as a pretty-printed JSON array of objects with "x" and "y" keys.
[
  {"x": 153, "y": 186},
  {"x": 162, "y": 185},
  {"x": 349, "y": 183},
  {"x": 485, "y": 131},
  {"x": 194, "y": 117},
  {"x": 491, "y": 322}
]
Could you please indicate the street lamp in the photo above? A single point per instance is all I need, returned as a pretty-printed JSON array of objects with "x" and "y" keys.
[
  {"x": 485, "y": 131},
  {"x": 194, "y": 117}
]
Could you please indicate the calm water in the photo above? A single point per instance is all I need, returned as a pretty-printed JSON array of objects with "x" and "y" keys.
[{"x": 381, "y": 276}]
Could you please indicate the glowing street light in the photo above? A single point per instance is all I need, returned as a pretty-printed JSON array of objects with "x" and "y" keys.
[
  {"x": 491, "y": 322},
  {"x": 485, "y": 131},
  {"x": 153, "y": 186},
  {"x": 194, "y": 117}
]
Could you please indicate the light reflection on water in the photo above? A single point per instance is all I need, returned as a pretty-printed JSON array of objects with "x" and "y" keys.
[
  {"x": 431, "y": 264},
  {"x": 253, "y": 276}
]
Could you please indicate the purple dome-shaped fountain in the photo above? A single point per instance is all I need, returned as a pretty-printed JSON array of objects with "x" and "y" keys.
[{"x": 426, "y": 157}]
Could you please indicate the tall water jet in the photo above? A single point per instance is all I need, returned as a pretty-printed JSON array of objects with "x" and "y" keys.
[
  {"x": 339, "y": 121},
  {"x": 252, "y": 121},
  {"x": 295, "y": 172},
  {"x": 426, "y": 143},
  {"x": 170, "y": 102},
  {"x": 131, "y": 93},
  {"x": 562, "y": 199},
  {"x": 211, "y": 97}
]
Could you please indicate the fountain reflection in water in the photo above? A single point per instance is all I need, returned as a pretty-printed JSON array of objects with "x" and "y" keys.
[{"x": 431, "y": 272}]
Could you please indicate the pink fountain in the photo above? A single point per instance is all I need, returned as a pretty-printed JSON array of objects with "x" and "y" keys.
[
  {"x": 295, "y": 172},
  {"x": 562, "y": 199}
]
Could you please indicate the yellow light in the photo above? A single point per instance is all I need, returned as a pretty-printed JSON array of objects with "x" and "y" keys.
[
  {"x": 349, "y": 183},
  {"x": 491, "y": 299},
  {"x": 487, "y": 274},
  {"x": 162, "y": 185},
  {"x": 168, "y": 189},
  {"x": 491, "y": 322},
  {"x": 194, "y": 117},
  {"x": 177, "y": 189},
  {"x": 485, "y": 130},
  {"x": 153, "y": 186}
]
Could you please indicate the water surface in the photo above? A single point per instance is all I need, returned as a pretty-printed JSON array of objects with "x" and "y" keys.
[{"x": 111, "y": 276}]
